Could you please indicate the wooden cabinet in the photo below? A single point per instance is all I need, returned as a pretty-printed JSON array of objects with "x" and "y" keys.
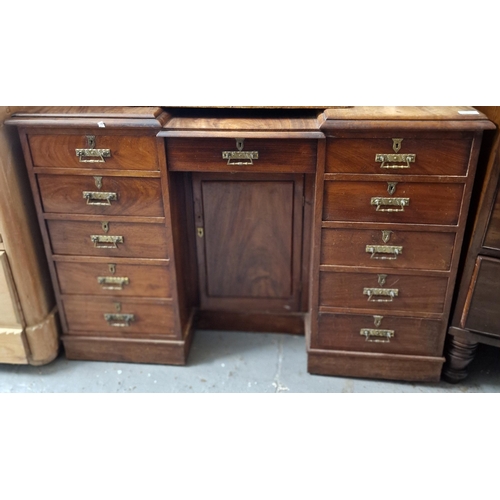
[
  {"x": 476, "y": 315},
  {"x": 345, "y": 224},
  {"x": 390, "y": 216}
]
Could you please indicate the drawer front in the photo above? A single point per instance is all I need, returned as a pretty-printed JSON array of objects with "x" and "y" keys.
[
  {"x": 101, "y": 314},
  {"x": 392, "y": 292},
  {"x": 78, "y": 194},
  {"x": 120, "y": 152},
  {"x": 385, "y": 248},
  {"x": 120, "y": 239},
  {"x": 483, "y": 314},
  {"x": 411, "y": 202},
  {"x": 113, "y": 279},
  {"x": 384, "y": 334},
  {"x": 379, "y": 156},
  {"x": 276, "y": 155}
]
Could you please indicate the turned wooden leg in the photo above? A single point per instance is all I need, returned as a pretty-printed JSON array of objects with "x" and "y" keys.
[{"x": 459, "y": 353}]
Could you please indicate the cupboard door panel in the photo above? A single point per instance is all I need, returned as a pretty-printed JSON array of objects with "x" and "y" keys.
[{"x": 249, "y": 252}]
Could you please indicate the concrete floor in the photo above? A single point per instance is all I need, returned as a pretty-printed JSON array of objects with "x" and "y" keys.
[{"x": 230, "y": 362}]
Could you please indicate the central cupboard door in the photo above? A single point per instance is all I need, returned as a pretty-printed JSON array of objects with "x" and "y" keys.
[{"x": 249, "y": 241}]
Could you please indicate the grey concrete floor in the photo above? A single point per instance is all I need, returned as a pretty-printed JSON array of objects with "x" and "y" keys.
[{"x": 229, "y": 362}]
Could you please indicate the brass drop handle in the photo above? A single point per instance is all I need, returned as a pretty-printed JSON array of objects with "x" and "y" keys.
[
  {"x": 112, "y": 282},
  {"x": 381, "y": 294},
  {"x": 401, "y": 160},
  {"x": 119, "y": 320},
  {"x": 104, "y": 241},
  {"x": 99, "y": 197},
  {"x": 381, "y": 202},
  {"x": 91, "y": 154},
  {"x": 240, "y": 157},
  {"x": 376, "y": 335},
  {"x": 388, "y": 160},
  {"x": 384, "y": 252}
]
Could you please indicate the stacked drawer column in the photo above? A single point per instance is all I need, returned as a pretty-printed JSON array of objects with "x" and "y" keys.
[
  {"x": 103, "y": 207},
  {"x": 390, "y": 214}
]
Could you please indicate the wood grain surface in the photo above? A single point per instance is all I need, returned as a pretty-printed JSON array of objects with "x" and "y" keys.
[{"x": 127, "y": 152}]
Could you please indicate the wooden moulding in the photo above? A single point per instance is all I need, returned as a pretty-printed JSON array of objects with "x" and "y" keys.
[
  {"x": 23, "y": 246},
  {"x": 379, "y": 366}
]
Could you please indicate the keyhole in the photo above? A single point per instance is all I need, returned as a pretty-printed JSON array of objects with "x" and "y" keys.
[
  {"x": 105, "y": 226},
  {"x": 391, "y": 187}
]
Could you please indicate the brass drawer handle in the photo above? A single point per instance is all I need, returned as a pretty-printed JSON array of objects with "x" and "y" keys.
[
  {"x": 384, "y": 252},
  {"x": 99, "y": 197},
  {"x": 93, "y": 155},
  {"x": 236, "y": 157},
  {"x": 375, "y": 335},
  {"x": 119, "y": 320},
  {"x": 112, "y": 282},
  {"x": 104, "y": 241},
  {"x": 240, "y": 157},
  {"x": 374, "y": 294},
  {"x": 381, "y": 201},
  {"x": 406, "y": 159}
]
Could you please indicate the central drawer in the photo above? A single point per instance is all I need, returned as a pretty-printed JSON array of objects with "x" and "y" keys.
[
  {"x": 256, "y": 155},
  {"x": 120, "y": 316},
  {"x": 82, "y": 194},
  {"x": 406, "y": 202},
  {"x": 108, "y": 239},
  {"x": 391, "y": 292},
  {"x": 113, "y": 279}
]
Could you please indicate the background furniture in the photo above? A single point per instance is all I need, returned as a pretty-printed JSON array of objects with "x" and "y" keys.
[
  {"x": 343, "y": 223},
  {"x": 28, "y": 322},
  {"x": 476, "y": 316}
]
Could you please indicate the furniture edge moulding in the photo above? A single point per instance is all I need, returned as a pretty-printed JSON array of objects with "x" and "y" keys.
[{"x": 23, "y": 244}]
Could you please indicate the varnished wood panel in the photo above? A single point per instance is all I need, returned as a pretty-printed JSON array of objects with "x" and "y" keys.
[
  {"x": 437, "y": 203},
  {"x": 127, "y": 152},
  {"x": 139, "y": 240},
  {"x": 143, "y": 281},
  {"x": 483, "y": 311},
  {"x": 86, "y": 314},
  {"x": 64, "y": 194},
  {"x": 415, "y": 336},
  {"x": 250, "y": 251},
  {"x": 492, "y": 237},
  {"x": 416, "y": 294},
  {"x": 420, "y": 250},
  {"x": 375, "y": 365},
  {"x": 278, "y": 155},
  {"x": 125, "y": 350},
  {"x": 432, "y": 156}
]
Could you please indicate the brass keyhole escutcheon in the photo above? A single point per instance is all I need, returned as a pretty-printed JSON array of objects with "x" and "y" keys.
[
  {"x": 377, "y": 320},
  {"x": 391, "y": 187},
  {"x": 240, "y": 143},
  {"x": 396, "y": 145},
  {"x": 112, "y": 268},
  {"x": 386, "y": 235},
  {"x": 200, "y": 232},
  {"x": 118, "y": 306},
  {"x": 98, "y": 181},
  {"x": 91, "y": 141},
  {"x": 105, "y": 226},
  {"x": 381, "y": 279}
]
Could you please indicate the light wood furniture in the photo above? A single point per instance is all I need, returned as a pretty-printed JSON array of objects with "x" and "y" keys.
[
  {"x": 345, "y": 223},
  {"x": 29, "y": 332}
]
